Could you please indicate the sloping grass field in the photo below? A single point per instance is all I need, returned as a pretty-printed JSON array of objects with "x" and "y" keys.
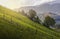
[{"x": 14, "y": 25}]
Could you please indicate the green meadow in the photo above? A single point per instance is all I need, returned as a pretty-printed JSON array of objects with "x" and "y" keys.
[{"x": 14, "y": 25}]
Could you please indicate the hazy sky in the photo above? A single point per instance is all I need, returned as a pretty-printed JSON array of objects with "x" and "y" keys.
[{"x": 19, "y": 3}]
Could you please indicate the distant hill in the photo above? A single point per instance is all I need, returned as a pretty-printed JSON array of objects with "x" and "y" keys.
[{"x": 46, "y": 7}]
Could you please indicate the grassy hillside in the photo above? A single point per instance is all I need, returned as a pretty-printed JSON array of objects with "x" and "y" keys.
[{"x": 13, "y": 25}]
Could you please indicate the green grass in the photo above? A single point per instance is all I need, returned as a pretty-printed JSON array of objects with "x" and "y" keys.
[{"x": 13, "y": 25}]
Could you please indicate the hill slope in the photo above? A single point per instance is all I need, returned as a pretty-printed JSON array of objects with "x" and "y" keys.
[{"x": 13, "y": 25}]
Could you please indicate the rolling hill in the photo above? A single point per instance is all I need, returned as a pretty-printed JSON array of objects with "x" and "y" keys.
[{"x": 14, "y": 25}]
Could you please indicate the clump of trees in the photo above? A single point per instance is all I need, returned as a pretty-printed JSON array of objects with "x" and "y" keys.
[
  {"x": 33, "y": 16},
  {"x": 49, "y": 21}
]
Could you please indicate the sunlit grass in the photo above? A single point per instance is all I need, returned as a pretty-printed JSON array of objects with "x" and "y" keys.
[{"x": 15, "y": 25}]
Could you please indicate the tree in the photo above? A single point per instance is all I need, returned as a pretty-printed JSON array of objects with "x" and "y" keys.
[
  {"x": 37, "y": 20},
  {"x": 32, "y": 14},
  {"x": 49, "y": 21}
]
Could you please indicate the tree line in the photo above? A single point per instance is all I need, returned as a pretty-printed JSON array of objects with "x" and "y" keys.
[{"x": 32, "y": 15}]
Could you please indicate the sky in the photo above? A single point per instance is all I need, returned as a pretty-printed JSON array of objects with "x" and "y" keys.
[{"x": 20, "y": 3}]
